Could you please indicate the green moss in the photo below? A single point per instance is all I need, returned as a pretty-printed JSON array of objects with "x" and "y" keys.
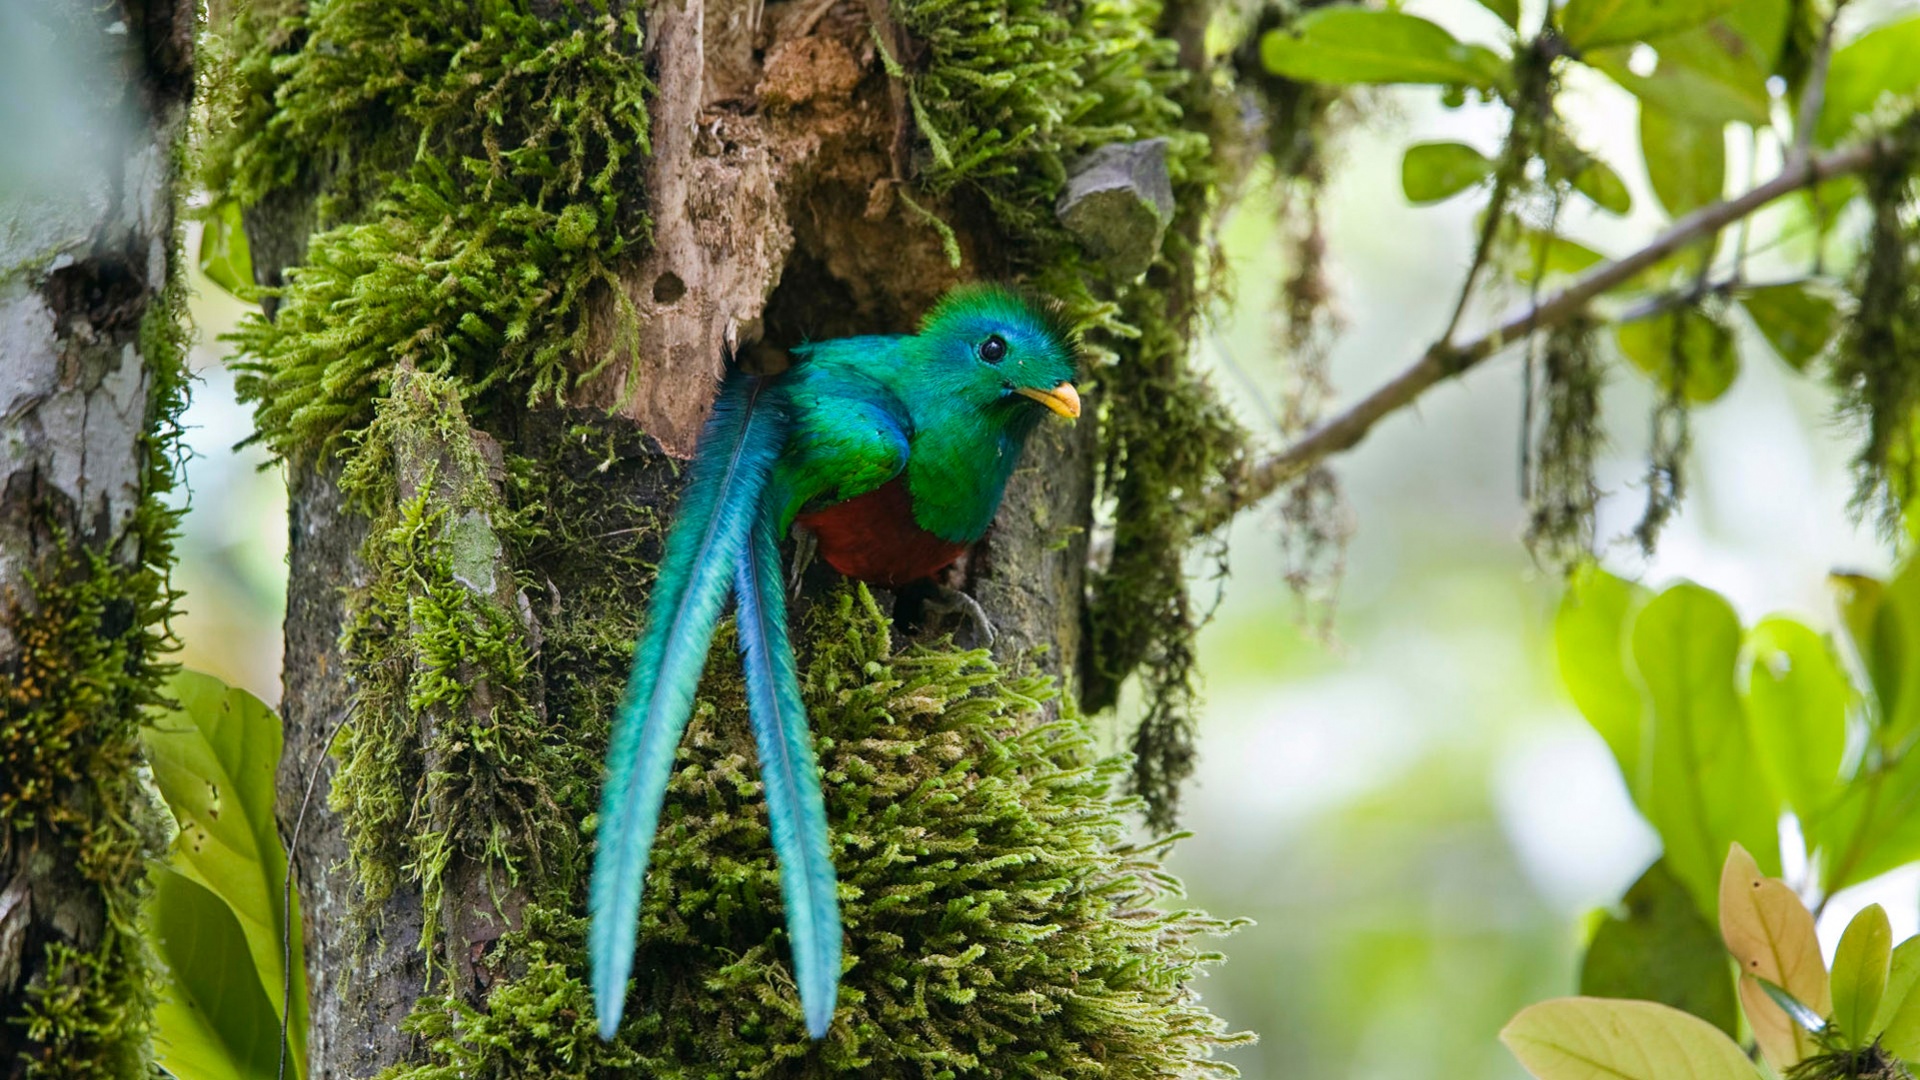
[
  {"x": 1876, "y": 369},
  {"x": 1008, "y": 94},
  {"x": 446, "y": 757},
  {"x": 997, "y": 922},
  {"x": 91, "y": 637},
  {"x": 473, "y": 253}
]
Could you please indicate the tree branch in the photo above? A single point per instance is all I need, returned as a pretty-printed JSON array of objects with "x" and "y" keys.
[{"x": 1442, "y": 362}]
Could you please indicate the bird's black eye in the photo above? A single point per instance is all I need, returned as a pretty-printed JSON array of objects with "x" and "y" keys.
[{"x": 994, "y": 349}]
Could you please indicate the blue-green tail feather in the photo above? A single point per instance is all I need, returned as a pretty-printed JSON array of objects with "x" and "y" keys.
[
  {"x": 795, "y": 807},
  {"x": 736, "y": 454}
]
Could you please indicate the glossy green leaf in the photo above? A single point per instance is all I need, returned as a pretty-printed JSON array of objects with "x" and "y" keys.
[
  {"x": 1682, "y": 349},
  {"x": 1878, "y": 64},
  {"x": 1593, "y": 24},
  {"x": 214, "y": 759},
  {"x": 224, "y": 255},
  {"x": 1861, "y": 599},
  {"x": 1434, "y": 171},
  {"x": 1797, "y": 319},
  {"x": 1346, "y": 45},
  {"x": 1710, "y": 76},
  {"x": 1797, "y": 699},
  {"x": 1764, "y": 25},
  {"x": 1600, "y": 183},
  {"x": 1859, "y": 975},
  {"x": 1875, "y": 825},
  {"x": 1686, "y": 160},
  {"x": 1896, "y": 663},
  {"x": 1898, "y": 1022},
  {"x": 1590, "y": 642},
  {"x": 1538, "y": 248},
  {"x": 1705, "y": 790},
  {"x": 1508, "y": 10},
  {"x": 1595, "y": 1038},
  {"x": 212, "y": 1021},
  {"x": 1660, "y": 948}
]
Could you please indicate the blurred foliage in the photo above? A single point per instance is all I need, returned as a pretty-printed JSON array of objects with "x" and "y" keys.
[{"x": 219, "y": 914}]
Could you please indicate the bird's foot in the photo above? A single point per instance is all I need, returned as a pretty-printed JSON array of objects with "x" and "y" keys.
[
  {"x": 948, "y": 600},
  {"x": 805, "y": 546}
]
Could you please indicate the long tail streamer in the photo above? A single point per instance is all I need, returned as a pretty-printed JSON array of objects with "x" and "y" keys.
[
  {"x": 795, "y": 807},
  {"x": 730, "y": 469}
]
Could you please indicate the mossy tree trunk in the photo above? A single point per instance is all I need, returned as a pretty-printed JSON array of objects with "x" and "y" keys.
[
  {"x": 91, "y": 377},
  {"x": 511, "y": 246}
]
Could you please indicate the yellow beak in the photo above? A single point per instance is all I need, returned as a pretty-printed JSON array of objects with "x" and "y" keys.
[{"x": 1063, "y": 399}]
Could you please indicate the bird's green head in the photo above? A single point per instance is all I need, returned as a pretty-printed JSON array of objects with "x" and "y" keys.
[{"x": 1000, "y": 351}]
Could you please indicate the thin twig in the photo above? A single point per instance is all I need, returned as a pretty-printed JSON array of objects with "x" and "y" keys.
[
  {"x": 1442, "y": 361},
  {"x": 1813, "y": 94}
]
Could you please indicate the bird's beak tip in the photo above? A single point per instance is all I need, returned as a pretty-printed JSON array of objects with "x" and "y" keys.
[{"x": 1062, "y": 399}]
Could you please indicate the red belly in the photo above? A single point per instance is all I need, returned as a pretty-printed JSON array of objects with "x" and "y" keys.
[{"x": 874, "y": 538}]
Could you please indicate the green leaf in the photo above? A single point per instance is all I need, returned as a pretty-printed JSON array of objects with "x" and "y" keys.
[
  {"x": 1797, "y": 700},
  {"x": 1600, "y": 183},
  {"x": 1686, "y": 160},
  {"x": 1591, "y": 24},
  {"x": 1861, "y": 599},
  {"x": 1682, "y": 349},
  {"x": 1661, "y": 949},
  {"x": 1878, "y": 64},
  {"x": 1593, "y": 1038},
  {"x": 1345, "y": 45},
  {"x": 1508, "y": 10},
  {"x": 214, "y": 760},
  {"x": 1797, "y": 319},
  {"x": 1705, "y": 789},
  {"x": 1764, "y": 24},
  {"x": 224, "y": 255},
  {"x": 1710, "y": 75},
  {"x": 1590, "y": 641},
  {"x": 210, "y": 1023},
  {"x": 1875, "y": 826},
  {"x": 1859, "y": 975},
  {"x": 1898, "y": 1022},
  {"x": 1434, "y": 171}
]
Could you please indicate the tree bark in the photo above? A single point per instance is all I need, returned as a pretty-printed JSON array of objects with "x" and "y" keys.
[{"x": 90, "y": 376}]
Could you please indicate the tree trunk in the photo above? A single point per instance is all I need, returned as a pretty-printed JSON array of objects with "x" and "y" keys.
[
  {"x": 470, "y": 553},
  {"x": 91, "y": 379}
]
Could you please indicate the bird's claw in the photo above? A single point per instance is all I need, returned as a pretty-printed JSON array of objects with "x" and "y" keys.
[
  {"x": 805, "y": 545},
  {"x": 952, "y": 601}
]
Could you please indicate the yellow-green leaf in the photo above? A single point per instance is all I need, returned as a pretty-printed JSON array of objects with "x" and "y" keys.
[
  {"x": 1347, "y": 44},
  {"x": 1590, "y": 641},
  {"x": 1797, "y": 319},
  {"x": 1710, "y": 75},
  {"x": 1434, "y": 171},
  {"x": 1859, "y": 976},
  {"x": 1770, "y": 934},
  {"x": 1682, "y": 349},
  {"x": 1878, "y": 64},
  {"x": 1686, "y": 160},
  {"x": 212, "y": 1022},
  {"x": 224, "y": 255},
  {"x": 1591, "y": 24},
  {"x": 214, "y": 759},
  {"x": 1508, "y": 10},
  {"x": 1898, "y": 1022},
  {"x": 1600, "y": 1039},
  {"x": 1797, "y": 698}
]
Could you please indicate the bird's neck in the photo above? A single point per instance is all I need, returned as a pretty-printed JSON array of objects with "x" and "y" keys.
[{"x": 959, "y": 467}]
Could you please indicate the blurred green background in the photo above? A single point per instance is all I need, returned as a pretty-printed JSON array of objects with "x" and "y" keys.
[{"x": 1411, "y": 812}]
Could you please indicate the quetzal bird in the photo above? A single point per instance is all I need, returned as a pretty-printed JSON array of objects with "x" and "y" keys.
[{"x": 894, "y": 452}]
